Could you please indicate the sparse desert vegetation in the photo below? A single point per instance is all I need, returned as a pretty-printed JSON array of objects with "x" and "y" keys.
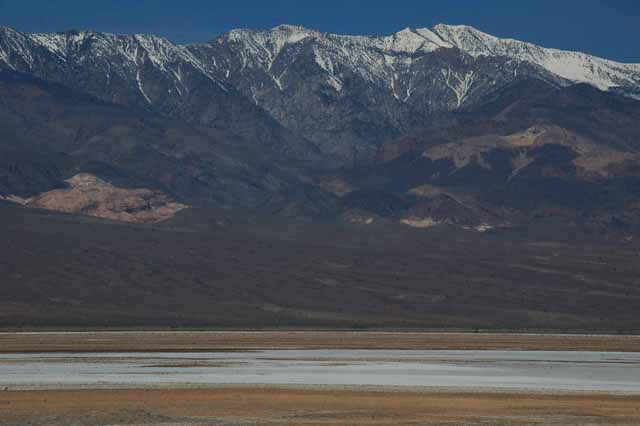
[{"x": 61, "y": 271}]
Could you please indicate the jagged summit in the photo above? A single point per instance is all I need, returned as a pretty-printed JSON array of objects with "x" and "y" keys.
[
  {"x": 334, "y": 90},
  {"x": 109, "y": 61},
  {"x": 265, "y": 45},
  {"x": 410, "y": 40},
  {"x": 574, "y": 66},
  {"x": 406, "y": 40}
]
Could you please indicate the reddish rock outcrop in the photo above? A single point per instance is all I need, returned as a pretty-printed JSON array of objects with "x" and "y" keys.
[{"x": 89, "y": 195}]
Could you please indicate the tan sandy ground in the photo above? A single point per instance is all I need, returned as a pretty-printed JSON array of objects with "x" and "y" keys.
[
  {"x": 211, "y": 341},
  {"x": 276, "y": 406}
]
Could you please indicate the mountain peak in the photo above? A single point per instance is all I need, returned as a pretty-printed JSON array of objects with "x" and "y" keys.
[
  {"x": 406, "y": 31},
  {"x": 5, "y": 29},
  {"x": 456, "y": 27},
  {"x": 371, "y": 57},
  {"x": 411, "y": 40},
  {"x": 71, "y": 32},
  {"x": 466, "y": 38},
  {"x": 575, "y": 67},
  {"x": 291, "y": 28},
  {"x": 277, "y": 36}
]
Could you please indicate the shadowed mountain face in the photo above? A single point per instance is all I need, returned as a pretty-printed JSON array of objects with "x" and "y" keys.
[
  {"x": 530, "y": 151},
  {"x": 147, "y": 73},
  {"x": 424, "y": 127},
  {"x": 51, "y": 133}
]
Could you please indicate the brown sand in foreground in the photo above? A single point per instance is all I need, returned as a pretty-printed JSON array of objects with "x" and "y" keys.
[
  {"x": 211, "y": 341},
  {"x": 275, "y": 406}
]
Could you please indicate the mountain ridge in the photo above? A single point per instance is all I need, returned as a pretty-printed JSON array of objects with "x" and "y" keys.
[
  {"x": 345, "y": 94},
  {"x": 409, "y": 40},
  {"x": 423, "y": 126}
]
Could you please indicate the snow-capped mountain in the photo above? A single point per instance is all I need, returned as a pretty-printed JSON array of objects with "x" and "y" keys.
[
  {"x": 347, "y": 94},
  {"x": 574, "y": 66},
  {"x": 116, "y": 68},
  {"x": 425, "y": 126},
  {"x": 380, "y": 59},
  {"x": 351, "y": 93},
  {"x": 145, "y": 72}
]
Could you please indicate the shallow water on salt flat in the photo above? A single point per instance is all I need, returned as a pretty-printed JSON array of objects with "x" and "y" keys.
[{"x": 500, "y": 370}]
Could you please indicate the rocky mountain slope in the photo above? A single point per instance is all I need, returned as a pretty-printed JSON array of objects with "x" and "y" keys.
[
  {"x": 531, "y": 152},
  {"x": 575, "y": 67},
  {"x": 50, "y": 133},
  {"x": 424, "y": 127},
  {"x": 148, "y": 73},
  {"x": 347, "y": 94},
  {"x": 351, "y": 93}
]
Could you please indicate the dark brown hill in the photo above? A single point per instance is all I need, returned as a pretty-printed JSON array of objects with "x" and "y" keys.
[
  {"x": 50, "y": 133},
  {"x": 60, "y": 270},
  {"x": 531, "y": 150}
]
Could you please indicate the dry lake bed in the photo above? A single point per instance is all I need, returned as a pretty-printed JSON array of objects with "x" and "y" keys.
[{"x": 344, "y": 382}]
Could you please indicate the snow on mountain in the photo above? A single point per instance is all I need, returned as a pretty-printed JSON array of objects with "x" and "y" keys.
[
  {"x": 345, "y": 90},
  {"x": 134, "y": 49},
  {"x": 14, "y": 46},
  {"x": 574, "y": 66},
  {"x": 345, "y": 93},
  {"x": 376, "y": 58},
  {"x": 373, "y": 58},
  {"x": 106, "y": 59}
]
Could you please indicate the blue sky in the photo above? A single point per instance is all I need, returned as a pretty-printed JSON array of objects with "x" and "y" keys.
[{"x": 609, "y": 29}]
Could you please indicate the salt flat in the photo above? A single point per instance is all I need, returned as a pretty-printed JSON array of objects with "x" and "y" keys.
[{"x": 543, "y": 371}]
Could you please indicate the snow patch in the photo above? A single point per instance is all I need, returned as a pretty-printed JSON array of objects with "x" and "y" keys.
[
  {"x": 411, "y": 41},
  {"x": 141, "y": 88},
  {"x": 460, "y": 85},
  {"x": 326, "y": 64}
]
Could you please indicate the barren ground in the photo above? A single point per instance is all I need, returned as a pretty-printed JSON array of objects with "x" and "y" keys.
[
  {"x": 275, "y": 406},
  {"x": 64, "y": 272},
  {"x": 159, "y": 341},
  {"x": 284, "y": 405}
]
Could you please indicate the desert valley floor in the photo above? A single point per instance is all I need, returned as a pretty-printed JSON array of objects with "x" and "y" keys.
[{"x": 318, "y": 378}]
